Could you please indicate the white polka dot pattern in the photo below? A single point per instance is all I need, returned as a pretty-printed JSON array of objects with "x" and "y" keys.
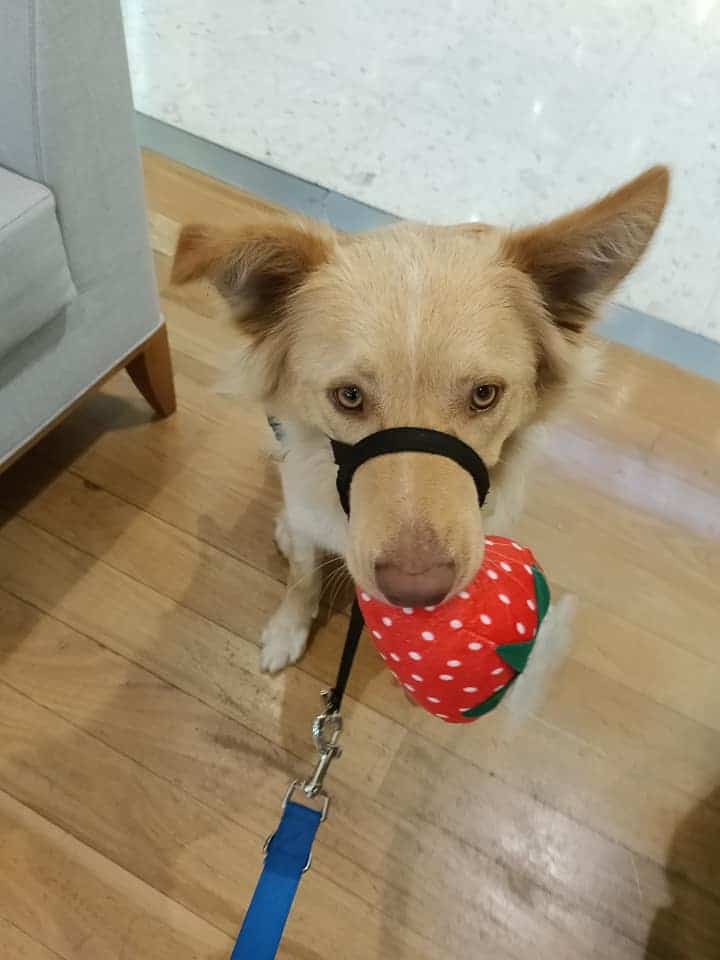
[{"x": 455, "y": 643}]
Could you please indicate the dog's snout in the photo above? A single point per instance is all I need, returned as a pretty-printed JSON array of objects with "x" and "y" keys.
[
  {"x": 416, "y": 572},
  {"x": 403, "y": 589}
]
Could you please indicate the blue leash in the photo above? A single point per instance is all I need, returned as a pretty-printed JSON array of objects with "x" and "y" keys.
[{"x": 288, "y": 854}]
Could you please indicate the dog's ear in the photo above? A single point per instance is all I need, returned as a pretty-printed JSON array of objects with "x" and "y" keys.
[
  {"x": 260, "y": 262},
  {"x": 579, "y": 259},
  {"x": 255, "y": 267}
]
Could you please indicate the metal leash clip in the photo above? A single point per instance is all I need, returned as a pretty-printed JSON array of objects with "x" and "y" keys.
[{"x": 326, "y": 730}]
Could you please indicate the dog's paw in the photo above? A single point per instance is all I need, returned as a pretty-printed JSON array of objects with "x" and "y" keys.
[{"x": 283, "y": 642}]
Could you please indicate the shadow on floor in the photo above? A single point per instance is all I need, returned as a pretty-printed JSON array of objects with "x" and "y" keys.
[
  {"x": 56, "y": 453},
  {"x": 689, "y": 928}
]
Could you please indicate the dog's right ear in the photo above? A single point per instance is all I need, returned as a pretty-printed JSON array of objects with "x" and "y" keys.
[
  {"x": 262, "y": 261},
  {"x": 578, "y": 260}
]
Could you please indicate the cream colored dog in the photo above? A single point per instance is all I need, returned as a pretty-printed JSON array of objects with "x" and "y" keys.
[{"x": 472, "y": 330}]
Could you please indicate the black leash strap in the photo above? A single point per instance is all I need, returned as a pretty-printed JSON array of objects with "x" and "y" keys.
[
  {"x": 349, "y": 457},
  {"x": 354, "y": 632}
]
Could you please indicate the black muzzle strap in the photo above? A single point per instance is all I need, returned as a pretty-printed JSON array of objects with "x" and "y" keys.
[{"x": 349, "y": 457}]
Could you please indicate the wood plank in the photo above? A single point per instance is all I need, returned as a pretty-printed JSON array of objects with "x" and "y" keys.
[
  {"x": 83, "y": 907},
  {"x": 17, "y": 945},
  {"x": 191, "y": 651},
  {"x": 164, "y": 233},
  {"x": 185, "y": 195}
]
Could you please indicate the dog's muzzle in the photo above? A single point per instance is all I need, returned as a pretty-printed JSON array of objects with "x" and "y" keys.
[{"x": 349, "y": 457}]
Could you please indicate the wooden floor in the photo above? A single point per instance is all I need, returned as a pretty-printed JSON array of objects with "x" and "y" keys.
[{"x": 143, "y": 757}]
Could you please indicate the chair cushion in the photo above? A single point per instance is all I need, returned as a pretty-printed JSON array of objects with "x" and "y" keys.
[{"x": 35, "y": 281}]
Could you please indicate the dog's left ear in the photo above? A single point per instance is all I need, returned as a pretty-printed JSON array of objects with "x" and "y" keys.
[
  {"x": 262, "y": 261},
  {"x": 578, "y": 260},
  {"x": 255, "y": 267}
]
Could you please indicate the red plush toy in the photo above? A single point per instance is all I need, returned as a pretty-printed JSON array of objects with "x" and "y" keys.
[{"x": 458, "y": 660}]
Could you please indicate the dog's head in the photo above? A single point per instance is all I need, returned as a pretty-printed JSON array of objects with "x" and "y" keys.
[{"x": 470, "y": 330}]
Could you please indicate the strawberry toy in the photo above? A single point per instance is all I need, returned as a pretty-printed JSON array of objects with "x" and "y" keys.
[{"x": 458, "y": 660}]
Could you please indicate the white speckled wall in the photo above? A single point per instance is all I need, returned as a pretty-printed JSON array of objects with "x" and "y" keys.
[{"x": 506, "y": 112}]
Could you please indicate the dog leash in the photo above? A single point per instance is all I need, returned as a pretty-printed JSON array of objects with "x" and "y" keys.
[{"x": 288, "y": 851}]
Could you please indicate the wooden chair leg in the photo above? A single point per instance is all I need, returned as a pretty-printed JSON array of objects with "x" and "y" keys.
[{"x": 151, "y": 372}]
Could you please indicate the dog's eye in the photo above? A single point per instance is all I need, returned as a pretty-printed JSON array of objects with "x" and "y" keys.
[
  {"x": 349, "y": 398},
  {"x": 484, "y": 396}
]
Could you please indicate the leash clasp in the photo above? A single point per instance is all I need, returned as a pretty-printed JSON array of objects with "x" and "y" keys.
[{"x": 326, "y": 730}]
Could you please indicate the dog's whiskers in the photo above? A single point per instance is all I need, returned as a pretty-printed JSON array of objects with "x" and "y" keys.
[
  {"x": 337, "y": 580},
  {"x": 310, "y": 573}
]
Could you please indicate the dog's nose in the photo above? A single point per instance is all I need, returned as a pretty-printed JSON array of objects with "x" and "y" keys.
[
  {"x": 424, "y": 589},
  {"x": 416, "y": 572}
]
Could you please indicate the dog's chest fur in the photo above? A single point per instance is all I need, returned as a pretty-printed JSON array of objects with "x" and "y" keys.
[{"x": 307, "y": 473}]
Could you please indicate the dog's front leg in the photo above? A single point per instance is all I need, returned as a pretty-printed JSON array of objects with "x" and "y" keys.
[{"x": 285, "y": 636}]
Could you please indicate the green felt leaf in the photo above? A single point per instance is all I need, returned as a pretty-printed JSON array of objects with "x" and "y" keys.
[
  {"x": 487, "y": 705},
  {"x": 542, "y": 594},
  {"x": 515, "y": 655}
]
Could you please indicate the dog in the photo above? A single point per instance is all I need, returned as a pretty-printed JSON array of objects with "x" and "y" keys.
[{"x": 477, "y": 331}]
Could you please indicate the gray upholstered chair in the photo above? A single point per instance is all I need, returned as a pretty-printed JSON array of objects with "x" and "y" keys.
[{"x": 77, "y": 293}]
